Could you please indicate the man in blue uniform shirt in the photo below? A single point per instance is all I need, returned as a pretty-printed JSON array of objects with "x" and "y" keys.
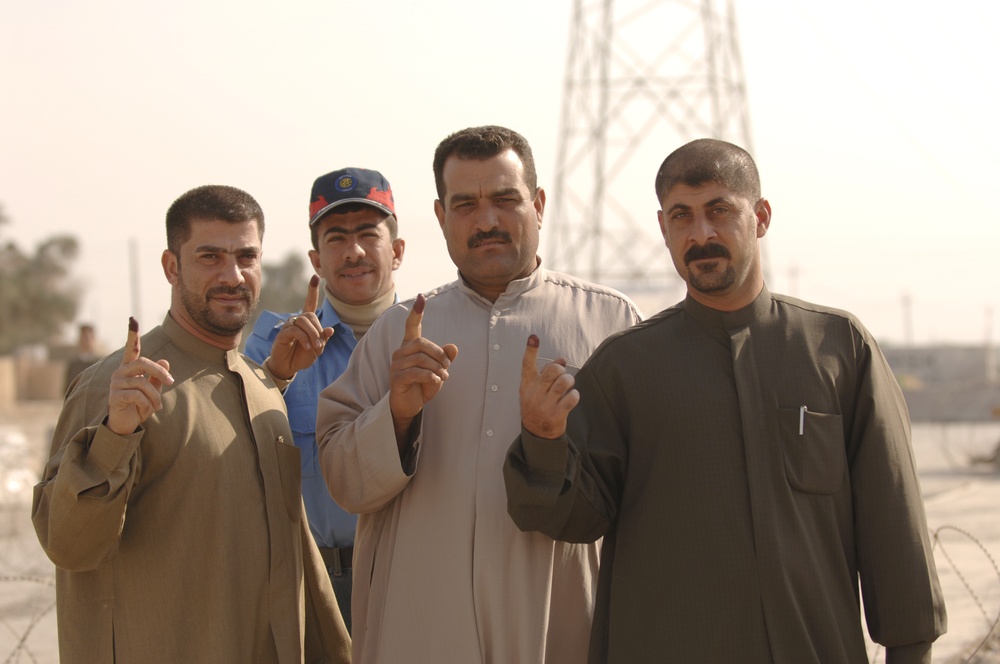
[{"x": 355, "y": 251}]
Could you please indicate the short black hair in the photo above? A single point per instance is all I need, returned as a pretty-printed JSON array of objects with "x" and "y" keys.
[
  {"x": 708, "y": 160},
  {"x": 482, "y": 143},
  {"x": 209, "y": 203}
]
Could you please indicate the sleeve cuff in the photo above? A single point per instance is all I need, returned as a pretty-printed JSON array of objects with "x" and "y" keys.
[
  {"x": 547, "y": 455},
  {"x": 110, "y": 451},
  {"x": 914, "y": 653},
  {"x": 281, "y": 383}
]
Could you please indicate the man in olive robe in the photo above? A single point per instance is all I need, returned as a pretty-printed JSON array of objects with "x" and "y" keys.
[
  {"x": 745, "y": 455},
  {"x": 171, "y": 504}
]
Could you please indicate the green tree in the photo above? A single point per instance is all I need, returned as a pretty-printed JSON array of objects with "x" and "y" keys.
[{"x": 37, "y": 297}]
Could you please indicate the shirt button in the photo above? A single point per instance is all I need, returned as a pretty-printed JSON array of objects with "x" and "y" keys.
[
  {"x": 494, "y": 388},
  {"x": 496, "y": 312},
  {"x": 489, "y": 433},
  {"x": 496, "y": 346}
]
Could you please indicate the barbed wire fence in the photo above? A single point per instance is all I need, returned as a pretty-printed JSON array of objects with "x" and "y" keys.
[
  {"x": 27, "y": 582},
  {"x": 990, "y": 644}
]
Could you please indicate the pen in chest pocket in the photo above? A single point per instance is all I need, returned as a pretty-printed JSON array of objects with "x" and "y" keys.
[{"x": 802, "y": 419}]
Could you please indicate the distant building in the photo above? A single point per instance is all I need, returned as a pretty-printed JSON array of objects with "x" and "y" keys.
[{"x": 948, "y": 383}]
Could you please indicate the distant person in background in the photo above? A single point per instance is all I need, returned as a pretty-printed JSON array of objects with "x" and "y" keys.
[
  {"x": 746, "y": 457},
  {"x": 86, "y": 354},
  {"x": 352, "y": 221},
  {"x": 171, "y": 504}
]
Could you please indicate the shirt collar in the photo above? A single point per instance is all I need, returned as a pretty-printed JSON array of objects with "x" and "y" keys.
[
  {"x": 515, "y": 288},
  {"x": 727, "y": 321},
  {"x": 327, "y": 314},
  {"x": 195, "y": 347}
]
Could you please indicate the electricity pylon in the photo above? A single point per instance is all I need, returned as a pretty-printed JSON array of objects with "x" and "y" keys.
[{"x": 642, "y": 78}]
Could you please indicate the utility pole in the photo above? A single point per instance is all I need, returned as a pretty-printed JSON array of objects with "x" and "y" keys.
[
  {"x": 642, "y": 78},
  {"x": 907, "y": 320},
  {"x": 992, "y": 373}
]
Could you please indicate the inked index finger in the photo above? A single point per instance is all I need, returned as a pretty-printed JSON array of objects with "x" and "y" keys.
[
  {"x": 312, "y": 296},
  {"x": 131, "y": 342},
  {"x": 414, "y": 320},
  {"x": 528, "y": 368}
]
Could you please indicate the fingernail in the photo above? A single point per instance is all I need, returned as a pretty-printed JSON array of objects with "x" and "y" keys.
[
  {"x": 533, "y": 341},
  {"x": 133, "y": 324},
  {"x": 418, "y": 306},
  {"x": 314, "y": 282}
]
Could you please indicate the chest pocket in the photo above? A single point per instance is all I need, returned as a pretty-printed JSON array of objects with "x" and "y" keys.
[
  {"x": 813, "y": 448},
  {"x": 302, "y": 418},
  {"x": 290, "y": 475}
]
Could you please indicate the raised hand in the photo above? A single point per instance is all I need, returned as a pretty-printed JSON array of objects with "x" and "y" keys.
[
  {"x": 301, "y": 339},
  {"x": 135, "y": 388},
  {"x": 546, "y": 396},
  {"x": 418, "y": 370}
]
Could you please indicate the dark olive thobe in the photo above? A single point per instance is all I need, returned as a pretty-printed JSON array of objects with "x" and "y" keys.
[{"x": 746, "y": 469}]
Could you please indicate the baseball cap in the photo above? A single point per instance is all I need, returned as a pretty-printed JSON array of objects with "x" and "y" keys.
[{"x": 349, "y": 185}]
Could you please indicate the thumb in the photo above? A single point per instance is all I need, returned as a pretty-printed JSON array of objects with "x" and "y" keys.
[{"x": 156, "y": 382}]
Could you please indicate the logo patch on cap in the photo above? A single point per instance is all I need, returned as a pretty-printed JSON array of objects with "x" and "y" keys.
[{"x": 346, "y": 182}]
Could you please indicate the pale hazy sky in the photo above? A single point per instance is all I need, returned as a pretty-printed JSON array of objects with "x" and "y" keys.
[{"x": 874, "y": 126}]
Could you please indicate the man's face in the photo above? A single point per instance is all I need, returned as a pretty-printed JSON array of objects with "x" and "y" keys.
[
  {"x": 216, "y": 276},
  {"x": 712, "y": 233},
  {"x": 490, "y": 220},
  {"x": 356, "y": 255}
]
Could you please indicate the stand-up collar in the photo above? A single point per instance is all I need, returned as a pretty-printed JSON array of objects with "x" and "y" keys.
[
  {"x": 195, "y": 347},
  {"x": 727, "y": 321},
  {"x": 514, "y": 288}
]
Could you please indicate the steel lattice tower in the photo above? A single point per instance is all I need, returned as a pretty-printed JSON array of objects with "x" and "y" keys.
[{"x": 642, "y": 78}]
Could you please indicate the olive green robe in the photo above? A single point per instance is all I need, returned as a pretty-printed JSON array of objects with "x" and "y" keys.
[
  {"x": 185, "y": 541},
  {"x": 746, "y": 470}
]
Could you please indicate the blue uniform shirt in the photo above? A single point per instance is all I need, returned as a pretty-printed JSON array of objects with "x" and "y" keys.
[{"x": 330, "y": 525}]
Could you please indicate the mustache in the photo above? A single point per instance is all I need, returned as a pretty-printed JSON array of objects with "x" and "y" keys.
[
  {"x": 353, "y": 266},
  {"x": 707, "y": 251},
  {"x": 229, "y": 290},
  {"x": 495, "y": 234}
]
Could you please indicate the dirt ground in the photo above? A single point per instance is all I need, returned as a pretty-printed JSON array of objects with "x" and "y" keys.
[{"x": 962, "y": 501}]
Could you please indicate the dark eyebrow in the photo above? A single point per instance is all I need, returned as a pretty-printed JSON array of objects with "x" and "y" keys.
[
  {"x": 349, "y": 231},
  {"x": 209, "y": 249},
  {"x": 503, "y": 191},
  {"x": 460, "y": 198},
  {"x": 711, "y": 203},
  {"x": 716, "y": 201}
]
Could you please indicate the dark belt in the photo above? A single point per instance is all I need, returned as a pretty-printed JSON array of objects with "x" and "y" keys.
[{"x": 337, "y": 560}]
